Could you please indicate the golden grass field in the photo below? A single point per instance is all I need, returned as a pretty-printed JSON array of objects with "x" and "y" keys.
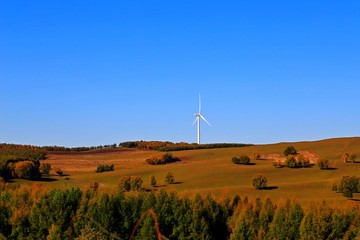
[{"x": 212, "y": 172}]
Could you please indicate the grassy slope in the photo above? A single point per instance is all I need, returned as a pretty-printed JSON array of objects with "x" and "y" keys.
[{"x": 211, "y": 171}]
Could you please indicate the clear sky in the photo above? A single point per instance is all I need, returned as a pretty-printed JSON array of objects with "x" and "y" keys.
[{"x": 82, "y": 73}]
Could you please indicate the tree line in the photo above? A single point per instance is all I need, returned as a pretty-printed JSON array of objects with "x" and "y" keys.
[
  {"x": 28, "y": 213},
  {"x": 170, "y": 146},
  {"x": 44, "y": 149}
]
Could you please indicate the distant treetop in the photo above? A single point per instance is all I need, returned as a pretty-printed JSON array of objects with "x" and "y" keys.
[{"x": 169, "y": 146}]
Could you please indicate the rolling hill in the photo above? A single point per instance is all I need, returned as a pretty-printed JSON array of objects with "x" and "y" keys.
[{"x": 211, "y": 170}]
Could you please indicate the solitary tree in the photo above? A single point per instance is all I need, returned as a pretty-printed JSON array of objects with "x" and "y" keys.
[
  {"x": 124, "y": 184},
  {"x": 136, "y": 183},
  {"x": 259, "y": 181},
  {"x": 323, "y": 163},
  {"x": 349, "y": 185},
  {"x": 169, "y": 178}
]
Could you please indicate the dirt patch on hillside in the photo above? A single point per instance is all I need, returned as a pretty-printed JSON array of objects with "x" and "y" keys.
[{"x": 311, "y": 155}]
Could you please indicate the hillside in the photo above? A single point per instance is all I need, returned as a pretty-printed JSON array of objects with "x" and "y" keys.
[{"x": 211, "y": 170}]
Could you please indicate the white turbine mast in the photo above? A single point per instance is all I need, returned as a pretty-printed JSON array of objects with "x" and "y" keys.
[{"x": 198, "y": 117}]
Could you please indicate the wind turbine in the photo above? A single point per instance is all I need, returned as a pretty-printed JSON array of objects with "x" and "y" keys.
[{"x": 198, "y": 117}]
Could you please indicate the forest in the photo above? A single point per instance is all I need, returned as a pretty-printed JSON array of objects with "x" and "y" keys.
[{"x": 28, "y": 213}]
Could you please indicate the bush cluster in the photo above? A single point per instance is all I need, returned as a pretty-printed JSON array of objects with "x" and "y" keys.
[
  {"x": 130, "y": 183},
  {"x": 166, "y": 158},
  {"x": 244, "y": 159},
  {"x": 293, "y": 161},
  {"x": 105, "y": 168}
]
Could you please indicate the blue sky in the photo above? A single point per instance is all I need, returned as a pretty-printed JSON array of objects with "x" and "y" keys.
[{"x": 81, "y": 73}]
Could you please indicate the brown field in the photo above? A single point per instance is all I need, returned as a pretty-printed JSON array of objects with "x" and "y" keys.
[{"x": 211, "y": 171}]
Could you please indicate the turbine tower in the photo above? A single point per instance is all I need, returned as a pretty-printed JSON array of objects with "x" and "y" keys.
[{"x": 198, "y": 117}]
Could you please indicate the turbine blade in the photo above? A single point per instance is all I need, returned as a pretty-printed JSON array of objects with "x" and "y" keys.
[
  {"x": 205, "y": 120},
  {"x": 196, "y": 119}
]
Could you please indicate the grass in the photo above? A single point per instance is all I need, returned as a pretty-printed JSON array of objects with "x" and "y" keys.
[{"x": 210, "y": 171}]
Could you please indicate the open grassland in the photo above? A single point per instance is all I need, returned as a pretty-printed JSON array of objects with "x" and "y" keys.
[{"x": 211, "y": 171}]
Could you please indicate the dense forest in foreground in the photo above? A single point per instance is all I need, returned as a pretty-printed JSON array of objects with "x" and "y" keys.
[{"x": 36, "y": 213}]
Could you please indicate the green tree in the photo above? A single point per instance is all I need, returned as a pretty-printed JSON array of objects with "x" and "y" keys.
[
  {"x": 136, "y": 183},
  {"x": 323, "y": 163},
  {"x": 124, "y": 184},
  {"x": 259, "y": 181},
  {"x": 349, "y": 185},
  {"x": 291, "y": 162},
  {"x": 57, "y": 207},
  {"x": 290, "y": 150},
  {"x": 27, "y": 170},
  {"x": 244, "y": 159},
  {"x": 169, "y": 178}
]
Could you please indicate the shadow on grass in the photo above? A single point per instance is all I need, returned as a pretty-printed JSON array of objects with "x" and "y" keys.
[
  {"x": 270, "y": 188},
  {"x": 177, "y": 183},
  {"x": 329, "y": 169},
  {"x": 355, "y": 200},
  {"x": 47, "y": 179}
]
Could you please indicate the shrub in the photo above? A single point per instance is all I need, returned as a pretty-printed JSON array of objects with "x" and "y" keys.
[
  {"x": 169, "y": 178},
  {"x": 136, "y": 183},
  {"x": 105, "y": 168},
  {"x": 127, "y": 183},
  {"x": 323, "y": 163},
  {"x": 259, "y": 181},
  {"x": 290, "y": 151},
  {"x": 124, "y": 184},
  {"x": 346, "y": 157},
  {"x": 303, "y": 161},
  {"x": 27, "y": 170},
  {"x": 244, "y": 159},
  {"x": 166, "y": 158},
  {"x": 291, "y": 162},
  {"x": 352, "y": 157},
  {"x": 93, "y": 186},
  {"x": 45, "y": 168}
]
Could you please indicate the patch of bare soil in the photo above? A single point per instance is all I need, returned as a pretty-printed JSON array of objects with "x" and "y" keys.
[{"x": 311, "y": 155}]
